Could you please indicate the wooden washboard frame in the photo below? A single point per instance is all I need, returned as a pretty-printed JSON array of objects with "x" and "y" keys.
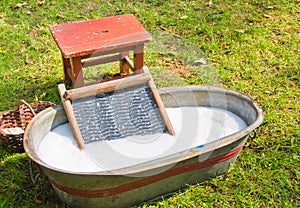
[{"x": 109, "y": 86}]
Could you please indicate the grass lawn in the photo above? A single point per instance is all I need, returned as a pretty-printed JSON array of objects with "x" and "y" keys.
[{"x": 251, "y": 46}]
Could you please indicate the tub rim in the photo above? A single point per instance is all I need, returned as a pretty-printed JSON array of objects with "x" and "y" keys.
[{"x": 167, "y": 160}]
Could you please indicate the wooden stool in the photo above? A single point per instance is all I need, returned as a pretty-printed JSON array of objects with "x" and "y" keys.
[{"x": 111, "y": 37}]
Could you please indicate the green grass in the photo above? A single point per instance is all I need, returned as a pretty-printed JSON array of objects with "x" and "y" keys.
[{"x": 251, "y": 46}]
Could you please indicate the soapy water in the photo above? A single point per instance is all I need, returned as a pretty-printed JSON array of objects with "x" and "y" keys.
[{"x": 59, "y": 148}]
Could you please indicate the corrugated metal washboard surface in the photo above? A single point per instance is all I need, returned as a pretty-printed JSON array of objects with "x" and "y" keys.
[
  {"x": 115, "y": 109},
  {"x": 118, "y": 114}
]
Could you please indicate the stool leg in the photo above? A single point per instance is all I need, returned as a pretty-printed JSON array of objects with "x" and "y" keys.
[
  {"x": 124, "y": 68},
  {"x": 138, "y": 57},
  {"x": 77, "y": 69},
  {"x": 68, "y": 75}
]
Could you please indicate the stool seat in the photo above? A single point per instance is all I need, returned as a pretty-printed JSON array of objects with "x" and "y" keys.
[{"x": 84, "y": 39}]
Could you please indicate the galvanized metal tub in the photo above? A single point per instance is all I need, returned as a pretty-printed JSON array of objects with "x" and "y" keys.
[{"x": 134, "y": 185}]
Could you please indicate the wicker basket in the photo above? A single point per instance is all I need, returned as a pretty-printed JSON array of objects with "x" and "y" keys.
[{"x": 14, "y": 123}]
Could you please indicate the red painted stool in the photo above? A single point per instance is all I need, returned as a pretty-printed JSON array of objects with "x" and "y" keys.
[{"x": 111, "y": 37}]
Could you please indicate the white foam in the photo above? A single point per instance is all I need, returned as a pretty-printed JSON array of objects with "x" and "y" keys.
[{"x": 194, "y": 126}]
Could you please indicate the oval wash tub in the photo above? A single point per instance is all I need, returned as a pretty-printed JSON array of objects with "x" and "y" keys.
[{"x": 129, "y": 171}]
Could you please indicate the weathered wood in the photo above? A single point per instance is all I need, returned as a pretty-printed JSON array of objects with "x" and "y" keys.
[
  {"x": 77, "y": 69},
  {"x": 160, "y": 104},
  {"x": 71, "y": 117},
  {"x": 86, "y": 37},
  {"x": 128, "y": 62},
  {"x": 92, "y": 38},
  {"x": 104, "y": 52},
  {"x": 124, "y": 68},
  {"x": 68, "y": 74},
  {"x": 103, "y": 60},
  {"x": 110, "y": 86},
  {"x": 138, "y": 57}
]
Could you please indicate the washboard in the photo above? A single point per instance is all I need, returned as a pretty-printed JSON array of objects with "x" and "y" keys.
[{"x": 115, "y": 109}]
